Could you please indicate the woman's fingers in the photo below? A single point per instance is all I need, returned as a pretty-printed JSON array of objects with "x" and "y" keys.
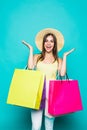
[
  {"x": 24, "y": 42},
  {"x": 71, "y": 50},
  {"x": 27, "y": 44},
  {"x": 68, "y": 52}
]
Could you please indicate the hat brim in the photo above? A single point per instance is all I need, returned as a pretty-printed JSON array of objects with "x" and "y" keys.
[{"x": 58, "y": 34}]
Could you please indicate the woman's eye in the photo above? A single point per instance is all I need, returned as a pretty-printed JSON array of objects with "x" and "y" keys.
[
  {"x": 52, "y": 41},
  {"x": 46, "y": 41},
  {"x": 49, "y": 41}
]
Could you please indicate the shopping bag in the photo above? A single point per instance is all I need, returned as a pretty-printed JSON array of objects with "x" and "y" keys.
[
  {"x": 26, "y": 88},
  {"x": 64, "y": 97},
  {"x": 42, "y": 103}
]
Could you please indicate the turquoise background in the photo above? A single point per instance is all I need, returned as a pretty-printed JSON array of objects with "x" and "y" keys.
[{"x": 22, "y": 19}]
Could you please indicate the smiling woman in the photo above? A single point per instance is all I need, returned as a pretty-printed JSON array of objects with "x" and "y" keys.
[{"x": 49, "y": 41}]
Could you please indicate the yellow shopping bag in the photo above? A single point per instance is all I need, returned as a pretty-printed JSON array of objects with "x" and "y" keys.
[{"x": 26, "y": 88}]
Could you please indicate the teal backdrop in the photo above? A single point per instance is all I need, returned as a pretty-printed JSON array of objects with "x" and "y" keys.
[{"x": 22, "y": 19}]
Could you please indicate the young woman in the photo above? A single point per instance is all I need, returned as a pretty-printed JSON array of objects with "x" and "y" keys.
[{"x": 49, "y": 41}]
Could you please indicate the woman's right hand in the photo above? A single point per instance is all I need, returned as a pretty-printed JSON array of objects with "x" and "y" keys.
[{"x": 27, "y": 44}]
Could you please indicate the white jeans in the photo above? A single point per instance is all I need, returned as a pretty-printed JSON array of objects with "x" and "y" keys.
[{"x": 36, "y": 118}]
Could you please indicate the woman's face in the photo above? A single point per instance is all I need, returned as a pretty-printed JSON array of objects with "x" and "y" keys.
[{"x": 49, "y": 44}]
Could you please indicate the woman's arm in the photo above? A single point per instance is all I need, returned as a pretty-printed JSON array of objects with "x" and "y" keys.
[
  {"x": 62, "y": 62},
  {"x": 30, "y": 58}
]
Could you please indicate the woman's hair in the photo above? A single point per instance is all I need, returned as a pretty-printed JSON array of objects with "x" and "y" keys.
[{"x": 54, "y": 51}]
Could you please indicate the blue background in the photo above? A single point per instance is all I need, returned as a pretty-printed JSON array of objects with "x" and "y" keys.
[{"x": 22, "y": 19}]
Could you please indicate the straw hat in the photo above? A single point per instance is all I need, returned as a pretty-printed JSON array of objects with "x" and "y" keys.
[{"x": 58, "y": 34}]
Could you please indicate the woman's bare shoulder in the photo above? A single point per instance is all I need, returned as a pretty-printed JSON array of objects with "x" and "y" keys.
[
  {"x": 60, "y": 60},
  {"x": 36, "y": 56}
]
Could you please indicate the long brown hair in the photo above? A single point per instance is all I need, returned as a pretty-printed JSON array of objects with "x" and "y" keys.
[{"x": 54, "y": 51}]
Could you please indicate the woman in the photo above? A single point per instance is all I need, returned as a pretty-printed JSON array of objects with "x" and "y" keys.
[{"x": 49, "y": 41}]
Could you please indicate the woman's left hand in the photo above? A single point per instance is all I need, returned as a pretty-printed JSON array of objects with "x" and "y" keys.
[{"x": 68, "y": 52}]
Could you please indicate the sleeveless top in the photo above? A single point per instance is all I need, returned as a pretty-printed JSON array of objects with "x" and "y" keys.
[{"x": 49, "y": 69}]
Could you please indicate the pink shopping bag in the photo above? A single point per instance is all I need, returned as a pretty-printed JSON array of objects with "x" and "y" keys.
[{"x": 64, "y": 97}]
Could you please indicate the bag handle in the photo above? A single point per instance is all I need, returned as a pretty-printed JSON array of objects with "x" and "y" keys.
[
  {"x": 58, "y": 76},
  {"x": 26, "y": 68}
]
